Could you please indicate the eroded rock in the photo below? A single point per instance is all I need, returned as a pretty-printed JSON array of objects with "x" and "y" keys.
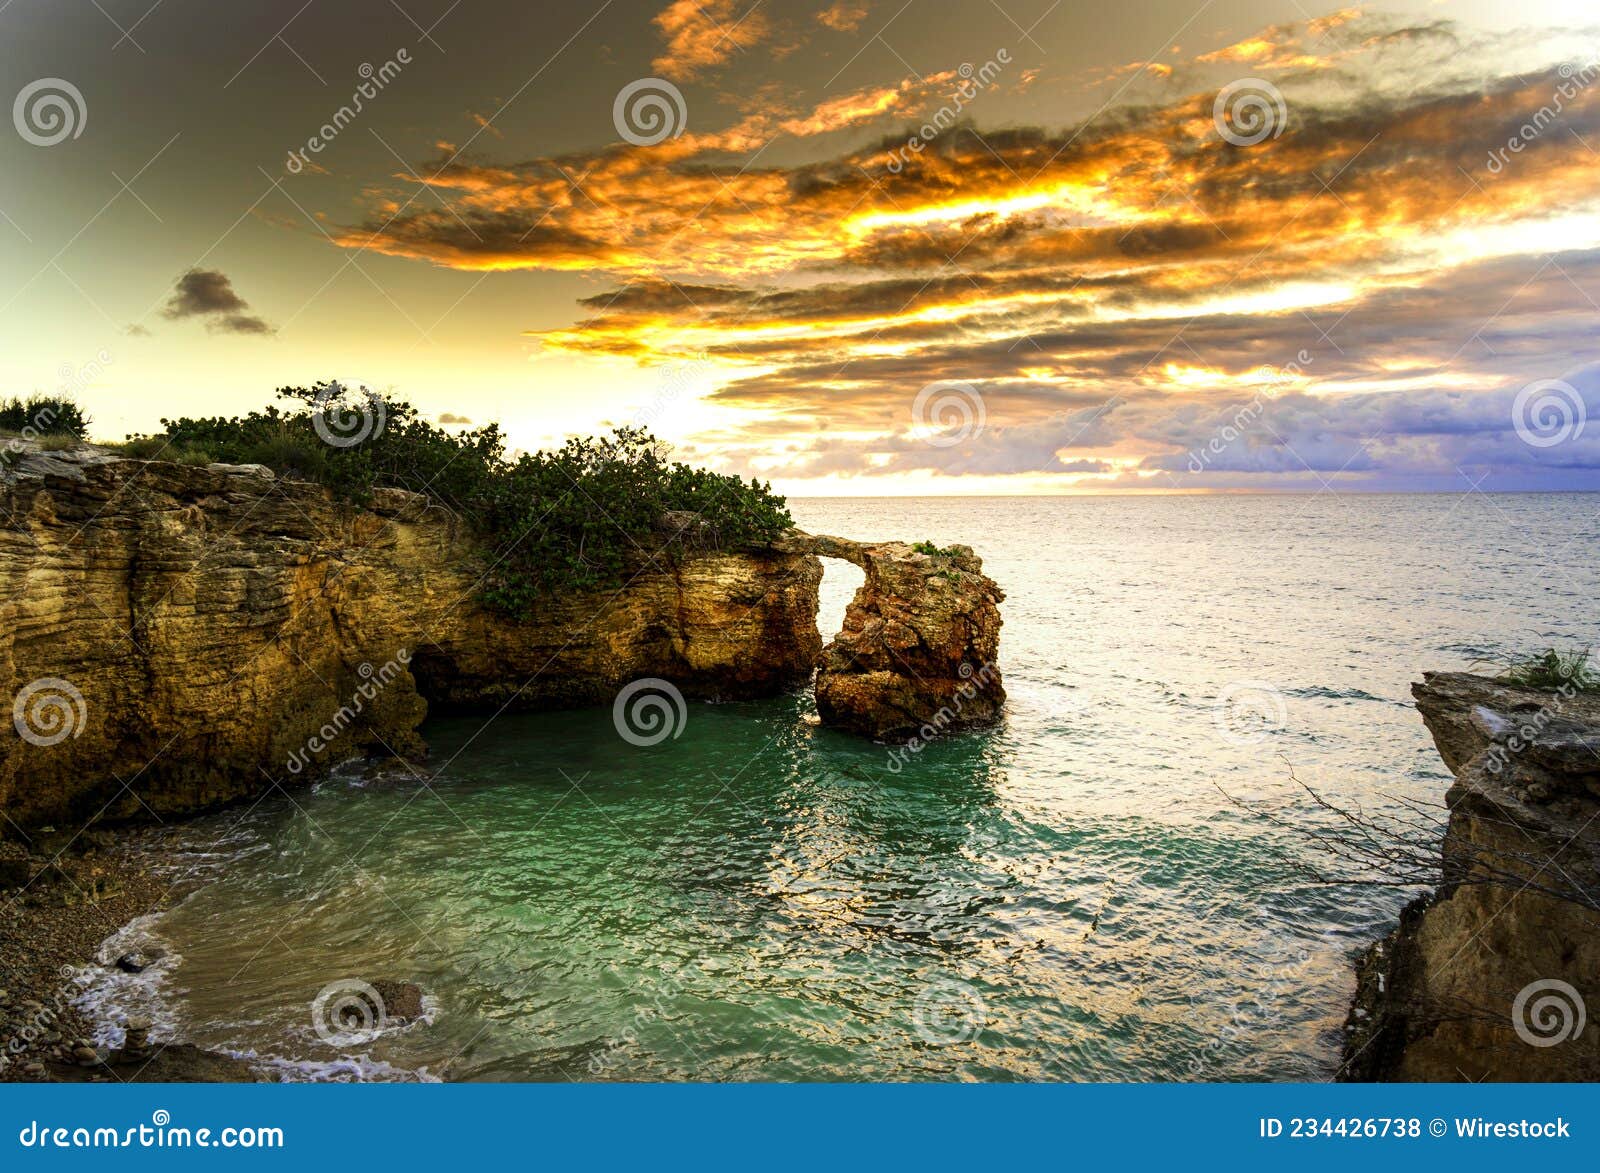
[
  {"x": 917, "y": 654},
  {"x": 1496, "y": 975},
  {"x": 197, "y": 631}
]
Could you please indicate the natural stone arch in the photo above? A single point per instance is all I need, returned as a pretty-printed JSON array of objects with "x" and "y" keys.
[{"x": 919, "y": 643}]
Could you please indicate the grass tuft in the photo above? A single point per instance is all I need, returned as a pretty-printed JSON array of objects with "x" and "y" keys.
[{"x": 1552, "y": 669}]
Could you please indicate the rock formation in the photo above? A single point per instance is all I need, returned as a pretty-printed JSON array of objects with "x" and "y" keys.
[
  {"x": 917, "y": 654},
  {"x": 1496, "y": 976},
  {"x": 173, "y": 638},
  {"x": 177, "y": 637}
]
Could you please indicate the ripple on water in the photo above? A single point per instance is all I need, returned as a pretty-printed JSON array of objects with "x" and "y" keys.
[{"x": 1068, "y": 896}]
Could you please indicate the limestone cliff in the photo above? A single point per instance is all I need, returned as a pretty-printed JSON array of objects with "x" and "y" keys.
[
  {"x": 1496, "y": 976},
  {"x": 173, "y": 637}
]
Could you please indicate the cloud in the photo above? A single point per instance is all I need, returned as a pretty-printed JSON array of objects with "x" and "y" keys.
[
  {"x": 451, "y": 417},
  {"x": 844, "y": 16},
  {"x": 703, "y": 34},
  {"x": 134, "y": 330},
  {"x": 209, "y": 294},
  {"x": 1138, "y": 258}
]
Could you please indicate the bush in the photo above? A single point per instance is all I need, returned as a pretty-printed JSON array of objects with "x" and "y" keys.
[
  {"x": 573, "y": 519},
  {"x": 43, "y": 415},
  {"x": 933, "y": 550},
  {"x": 1553, "y": 669}
]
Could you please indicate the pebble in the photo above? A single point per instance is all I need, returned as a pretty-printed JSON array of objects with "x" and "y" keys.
[{"x": 86, "y": 1056}]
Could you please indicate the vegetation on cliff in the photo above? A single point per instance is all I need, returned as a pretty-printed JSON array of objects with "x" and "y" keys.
[
  {"x": 1553, "y": 669},
  {"x": 42, "y": 415},
  {"x": 571, "y": 519}
]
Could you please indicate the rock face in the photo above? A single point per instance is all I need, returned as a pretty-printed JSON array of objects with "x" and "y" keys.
[
  {"x": 1497, "y": 975},
  {"x": 917, "y": 654},
  {"x": 172, "y": 638}
]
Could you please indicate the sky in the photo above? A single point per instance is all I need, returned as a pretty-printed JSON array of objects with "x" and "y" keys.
[{"x": 853, "y": 247}]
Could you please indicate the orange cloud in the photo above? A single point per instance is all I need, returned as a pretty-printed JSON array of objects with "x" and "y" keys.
[
  {"x": 1141, "y": 250},
  {"x": 703, "y": 34},
  {"x": 844, "y": 16}
]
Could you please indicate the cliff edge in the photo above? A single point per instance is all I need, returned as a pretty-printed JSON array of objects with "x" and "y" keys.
[
  {"x": 1493, "y": 976},
  {"x": 176, "y": 637}
]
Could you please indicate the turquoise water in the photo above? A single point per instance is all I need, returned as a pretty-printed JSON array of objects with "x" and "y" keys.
[{"x": 1068, "y": 896}]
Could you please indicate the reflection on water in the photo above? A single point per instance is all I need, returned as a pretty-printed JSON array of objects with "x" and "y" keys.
[{"x": 1068, "y": 896}]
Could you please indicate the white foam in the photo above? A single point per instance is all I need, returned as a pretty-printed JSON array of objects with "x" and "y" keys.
[
  {"x": 344, "y": 1069},
  {"x": 109, "y": 997}
]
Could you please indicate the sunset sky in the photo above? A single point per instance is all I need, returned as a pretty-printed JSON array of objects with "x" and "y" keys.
[{"x": 1092, "y": 272}]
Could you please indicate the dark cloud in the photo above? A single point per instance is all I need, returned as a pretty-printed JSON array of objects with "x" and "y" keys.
[{"x": 209, "y": 294}]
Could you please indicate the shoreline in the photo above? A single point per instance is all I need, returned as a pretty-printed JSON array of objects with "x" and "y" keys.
[{"x": 59, "y": 904}]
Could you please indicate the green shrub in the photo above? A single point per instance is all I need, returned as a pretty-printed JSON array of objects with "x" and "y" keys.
[
  {"x": 43, "y": 415},
  {"x": 578, "y": 518},
  {"x": 1553, "y": 669},
  {"x": 935, "y": 551},
  {"x": 145, "y": 448}
]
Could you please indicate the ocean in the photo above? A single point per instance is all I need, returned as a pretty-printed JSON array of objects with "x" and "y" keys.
[{"x": 1117, "y": 883}]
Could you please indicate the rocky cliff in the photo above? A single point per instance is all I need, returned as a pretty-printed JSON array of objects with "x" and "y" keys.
[
  {"x": 1494, "y": 976},
  {"x": 173, "y": 638}
]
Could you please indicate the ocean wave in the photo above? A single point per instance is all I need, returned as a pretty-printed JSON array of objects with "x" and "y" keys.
[
  {"x": 344, "y": 1069},
  {"x": 111, "y": 996},
  {"x": 1321, "y": 692}
]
